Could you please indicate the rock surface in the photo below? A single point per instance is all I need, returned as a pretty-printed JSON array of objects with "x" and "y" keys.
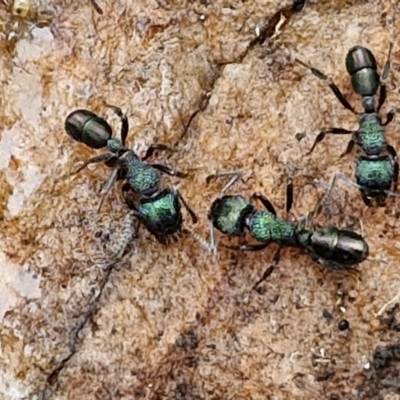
[{"x": 176, "y": 322}]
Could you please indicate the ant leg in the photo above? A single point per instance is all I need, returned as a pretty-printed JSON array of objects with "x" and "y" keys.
[
  {"x": 169, "y": 171},
  {"x": 303, "y": 222},
  {"x": 102, "y": 158},
  {"x": 355, "y": 220},
  {"x": 339, "y": 95},
  {"x": 188, "y": 209},
  {"x": 320, "y": 204},
  {"x": 395, "y": 176},
  {"x": 154, "y": 147},
  {"x": 213, "y": 243},
  {"x": 96, "y": 7},
  {"x": 321, "y": 135},
  {"x": 365, "y": 198},
  {"x": 247, "y": 247},
  {"x": 361, "y": 227},
  {"x": 343, "y": 177},
  {"x": 124, "y": 121},
  {"x": 289, "y": 196},
  {"x": 266, "y": 203},
  {"x": 384, "y": 76},
  {"x": 390, "y": 115},
  {"x": 367, "y": 201},
  {"x": 107, "y": 187},
  {"x": 210, "y": 246},
  {"x": 393, "y": 153},
  {"x": 236, "y": 175},
  {"x": 350, "y": 146},
  {"x": 270, "y": 269}
]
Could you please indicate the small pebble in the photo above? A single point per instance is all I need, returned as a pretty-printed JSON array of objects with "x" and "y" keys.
[
  {"x": 367, "y": 366},
  {"x": 326, "y": 314},
  {"x": 343, "y": 325}
]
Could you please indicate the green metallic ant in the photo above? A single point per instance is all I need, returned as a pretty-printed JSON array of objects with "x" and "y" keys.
[
  {"x": 378, "y": 169},
  {"x": 159, "y": 210},
  {"x": 234, "y": 215}
]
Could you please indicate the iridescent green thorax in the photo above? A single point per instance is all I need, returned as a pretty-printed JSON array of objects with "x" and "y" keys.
[
  {"x": 141, "y": 177},
  {"x": 371, "y": 136},
  {"x": 375, "y": 174},
  {"x": 162, "y": 214},
  {"x": 229, "y": 214},
  {"x": 265, "y": 226}
]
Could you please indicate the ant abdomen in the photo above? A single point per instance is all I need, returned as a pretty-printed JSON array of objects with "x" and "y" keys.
[
  {"x": 361, "y": 66},
  {"x": 86, "y": 127}
]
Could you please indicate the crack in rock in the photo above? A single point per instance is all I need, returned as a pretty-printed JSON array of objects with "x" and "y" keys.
[{"x": 76, "y": 330}]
